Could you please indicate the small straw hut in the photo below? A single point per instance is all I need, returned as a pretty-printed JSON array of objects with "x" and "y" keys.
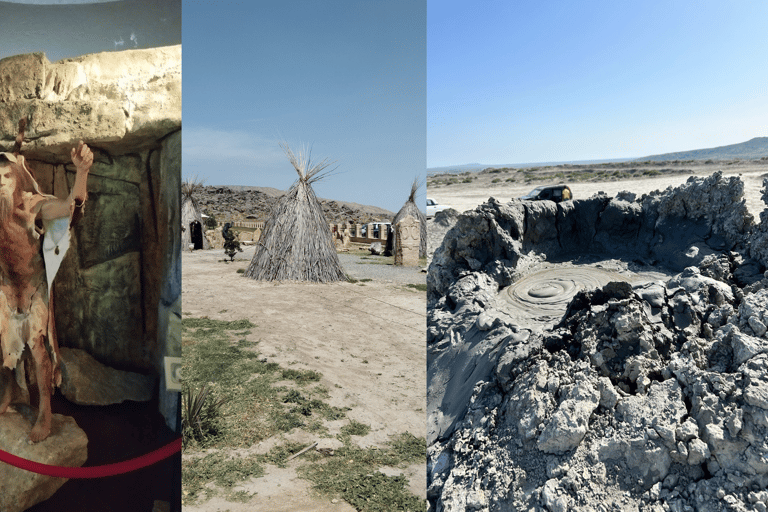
[
  {"x": 410, "y": 208},
  {"x": 193, "y": 228},
  {"x": 296, "y": 243}
]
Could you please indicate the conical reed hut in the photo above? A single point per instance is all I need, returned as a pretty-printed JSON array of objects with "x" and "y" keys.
[
  {"x": 410, "y": 208},
  {"x": 193, "y": 227},
  {"x": 296, "y": 243}
]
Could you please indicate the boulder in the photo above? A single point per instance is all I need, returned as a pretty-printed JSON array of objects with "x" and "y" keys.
[
  {"x": 66, "y": 446},
  {"x": 85, "y": 381},
  {"x": 376, "y": 248}
]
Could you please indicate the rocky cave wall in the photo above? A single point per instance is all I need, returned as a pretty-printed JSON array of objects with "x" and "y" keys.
[{"x": 118, "y": 292}]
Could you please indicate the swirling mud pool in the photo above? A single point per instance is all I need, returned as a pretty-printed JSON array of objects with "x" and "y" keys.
[{"x": 539, "y": 299}]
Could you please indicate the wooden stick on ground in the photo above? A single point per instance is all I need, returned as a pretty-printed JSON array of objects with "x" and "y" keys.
[{"x": 302, "y": 451}]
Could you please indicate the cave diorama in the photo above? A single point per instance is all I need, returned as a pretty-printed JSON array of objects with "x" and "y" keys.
[
  {"x": 90, "y": 238},
  {"x": 607, "y": 353}
]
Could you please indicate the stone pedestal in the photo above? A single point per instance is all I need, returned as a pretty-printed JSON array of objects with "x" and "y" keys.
[
  {"x": 407, "y": 240},
  {"x": 66, "y": 446}
]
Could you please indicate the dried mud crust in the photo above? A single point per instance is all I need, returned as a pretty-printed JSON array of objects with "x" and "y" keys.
[
  {"x": 648, "y": 396},
  {"x": 366, "y": 339}
]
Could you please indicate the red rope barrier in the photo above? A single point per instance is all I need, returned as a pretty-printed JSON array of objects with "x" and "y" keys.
[{"x": 117, "y": 468}]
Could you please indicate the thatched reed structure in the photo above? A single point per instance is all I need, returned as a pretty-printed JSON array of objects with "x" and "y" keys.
[
  {"x": 193, "y": 227},
  {"x": 296, "y": 243},
  {"x": 410, "y": 208}
]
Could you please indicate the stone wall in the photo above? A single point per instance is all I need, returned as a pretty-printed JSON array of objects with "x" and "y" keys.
[
  {"x": 117, "y": 293},
  {"x": 358, "y": 233}
]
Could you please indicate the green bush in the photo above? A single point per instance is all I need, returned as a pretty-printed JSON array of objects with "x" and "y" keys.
[
  {"x": 210, "y": 221},
  {"x": 201, "y": 416}
]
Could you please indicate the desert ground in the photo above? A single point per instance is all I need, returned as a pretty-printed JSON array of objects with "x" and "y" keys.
[
  {"x": 465, "y": 196},
  {"x": 366, "y": 338}
]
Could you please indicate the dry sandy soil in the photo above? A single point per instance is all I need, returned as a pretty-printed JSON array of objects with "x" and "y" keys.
[
  {"x": 466, "y": 196},
  {"x": 330, "y": 328}
]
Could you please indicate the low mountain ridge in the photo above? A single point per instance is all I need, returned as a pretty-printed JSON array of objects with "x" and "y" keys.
[
  {"x": 752, "y": 149},
  {"x": 233, "y": 203}
]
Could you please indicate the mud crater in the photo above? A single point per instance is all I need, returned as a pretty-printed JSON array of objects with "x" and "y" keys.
[
  {"x": 540, "y": 298},
  {"x": 599, "y": 354}
]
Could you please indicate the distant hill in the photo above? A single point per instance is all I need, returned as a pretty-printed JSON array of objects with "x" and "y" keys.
[
  {"x": 751, "y": 150},
  {"x": 233, "y": 202},
  {"x": 456, "y": 169}
]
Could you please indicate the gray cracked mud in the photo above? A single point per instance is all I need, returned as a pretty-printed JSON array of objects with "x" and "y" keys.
[{"x": 648, "y": 392}]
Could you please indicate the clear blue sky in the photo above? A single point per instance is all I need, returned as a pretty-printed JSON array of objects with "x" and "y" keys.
[
  {"x": 347, "y": 77},
  {"x": 531, "y": 81}
]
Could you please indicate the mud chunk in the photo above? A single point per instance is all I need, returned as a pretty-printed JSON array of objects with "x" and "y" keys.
[
  {"x": 687, "y": 430},
  {"x": 753, "y": 310},
  {"x": 568, "y": 424},
  {"x": 735, "y": 422},
  {"x": 476, "y": 500},
  {"x": 745, "y": 347},
  {"x": 718, "y": 317},
  {"x": 648, "y": 459},
  {"x": 757, "y": 326},
  {"x": 757, "y": 394},
  {"x": 662, "y": 405},
  {"x": 552, "y": 498},
  {"x": 698, "y": 452},
  {"x": 609, "y": 397},
  {"x": 652, "y": 293},
  {"x": 529, "y": 405}
]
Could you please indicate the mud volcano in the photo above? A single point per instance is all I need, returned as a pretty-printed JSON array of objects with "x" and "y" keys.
[{"x": 601, "y": 354}]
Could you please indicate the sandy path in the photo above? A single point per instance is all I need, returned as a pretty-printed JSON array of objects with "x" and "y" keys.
[
  {"x": 466, "y": 196},
  {"x": 367, "y": 340}
]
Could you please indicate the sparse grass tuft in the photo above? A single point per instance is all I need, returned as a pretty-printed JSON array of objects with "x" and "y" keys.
[
  {"x": 355, "y": 428},
  {"x": 352, "y": 474},
  {"x": 301, "y": 376},
  {"x": 220, "y": 468}
]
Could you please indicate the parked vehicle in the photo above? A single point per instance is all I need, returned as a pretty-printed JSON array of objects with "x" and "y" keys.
[
  {"x": 433, "y": 207},
  {"x": 554, "y": 193}
]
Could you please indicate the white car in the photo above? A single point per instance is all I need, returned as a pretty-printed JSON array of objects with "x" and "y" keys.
[{"x": 433, "y": 208}]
